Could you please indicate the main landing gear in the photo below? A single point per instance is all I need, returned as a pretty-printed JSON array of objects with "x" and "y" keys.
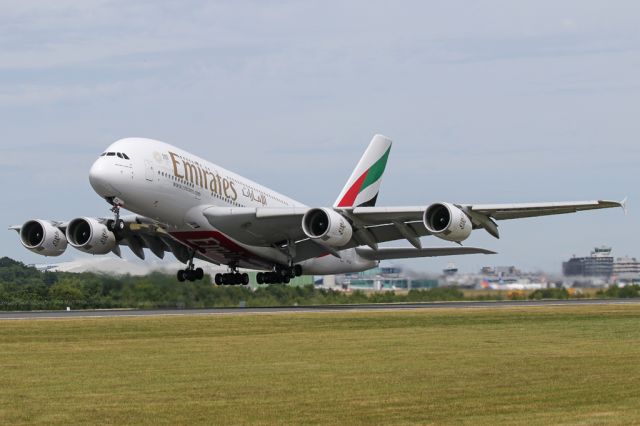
[
  {"x": 232, "y": 278},
  {"x": 279, "y": 275},
  {"x": 191, "y": 273}
]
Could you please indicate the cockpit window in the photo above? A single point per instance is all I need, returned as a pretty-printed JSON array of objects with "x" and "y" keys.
[{"x": 113, "y": 154}]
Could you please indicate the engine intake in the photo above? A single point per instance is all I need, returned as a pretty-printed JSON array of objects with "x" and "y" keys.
[
  {"x": 90, "y": 236},
  {"x": 327, "y": 225},
  {"x": 448, "y": 222},
  {"x": 43, "y": 238}
]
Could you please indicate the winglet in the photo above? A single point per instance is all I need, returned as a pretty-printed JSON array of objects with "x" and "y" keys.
[
  {"x": 624, "y": 206},
  {"x": 363, "y": 185}
]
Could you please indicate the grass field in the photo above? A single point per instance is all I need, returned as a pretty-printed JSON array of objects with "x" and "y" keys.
[{"x": 570, "y": 365}]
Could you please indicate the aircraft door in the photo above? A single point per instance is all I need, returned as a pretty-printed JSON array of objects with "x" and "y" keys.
[{"x": 149, "y": 170}]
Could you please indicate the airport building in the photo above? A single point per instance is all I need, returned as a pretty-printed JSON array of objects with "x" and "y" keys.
[
  {"x": 601, "y": 268},
  {"x": 626, "y": 266},
  {"x": 626, "y": 270},
  {"x": 383, "y": 278},
  {"x": 598, "y": 264}
]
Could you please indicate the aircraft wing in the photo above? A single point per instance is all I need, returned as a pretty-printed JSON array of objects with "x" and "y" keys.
[
  {"x": 278, "y": 227},
  {"x": 265, "y": 226},
  {"x": 518, "y": 211},
  {"x": 258, "y": 226},
  {"x": 387, "y": 253},
  {"x": 379, "y": 215},
  {"x": 483, "y": 215},
  {"x": 139, "y": 232}
]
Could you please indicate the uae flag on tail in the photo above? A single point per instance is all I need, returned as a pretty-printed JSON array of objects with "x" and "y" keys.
[{"x": 363, "y": 186}]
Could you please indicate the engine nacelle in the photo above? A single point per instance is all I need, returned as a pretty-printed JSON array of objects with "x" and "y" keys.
[
  {"x": 327, "y": 225},
  {"x": 43, "y": 238},
  {"x": 446, "y": 221},
  {"x": 90, "y": 236}
]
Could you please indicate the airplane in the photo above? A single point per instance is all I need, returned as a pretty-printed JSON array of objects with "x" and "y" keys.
[{"x": 196, "y": 209}]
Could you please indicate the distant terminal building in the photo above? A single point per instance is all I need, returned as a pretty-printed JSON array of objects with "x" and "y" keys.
[
  {"x": 383, "y": 278},
  {"x": 500, "y": 271},
  {"x": 510, "y": 278},
  {"x": 599, "y": 264},
  {"x": 450, "y": 270},
  {"x": 626, "y": 269}
]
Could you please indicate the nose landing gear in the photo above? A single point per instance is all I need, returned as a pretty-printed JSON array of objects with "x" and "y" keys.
[{"x": 117, "y": 224}]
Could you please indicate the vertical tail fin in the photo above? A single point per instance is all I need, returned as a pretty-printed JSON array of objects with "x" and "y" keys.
[{"x": 362, "y": 187}]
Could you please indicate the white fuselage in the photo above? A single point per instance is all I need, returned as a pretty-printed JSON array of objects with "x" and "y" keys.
[{"x": 171, "y": 186}]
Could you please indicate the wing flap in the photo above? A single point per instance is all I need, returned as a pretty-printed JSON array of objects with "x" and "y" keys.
[
  {"x": 306, "y": 249},
  {"x": 140, "y": 233},
  {"x": 384, "y": 215}
]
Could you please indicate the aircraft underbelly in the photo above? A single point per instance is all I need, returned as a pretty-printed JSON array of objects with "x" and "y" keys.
[{"x": 217, "y": 247}]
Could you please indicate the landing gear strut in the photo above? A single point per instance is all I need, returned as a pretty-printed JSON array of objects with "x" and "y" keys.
[
  {"x": 232, "y": 278},
  {"x": 117, "y": 224},
  {"x": 191, "y": 273},
  {"x": 280, "y": 275}
]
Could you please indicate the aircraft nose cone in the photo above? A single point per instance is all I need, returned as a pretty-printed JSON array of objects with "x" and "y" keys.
[{"x": 99, "y": 178}]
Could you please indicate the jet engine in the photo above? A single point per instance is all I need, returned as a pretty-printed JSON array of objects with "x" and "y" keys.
[
  {"x": 446, "y": 221},
  {"x": 43, "y": 238},
  {"x": 90, "y": 236},
  {"x": 327, "y": 225}
]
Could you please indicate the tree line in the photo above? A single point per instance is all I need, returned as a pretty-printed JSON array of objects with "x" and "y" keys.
[{"x": 26, "y": 288}]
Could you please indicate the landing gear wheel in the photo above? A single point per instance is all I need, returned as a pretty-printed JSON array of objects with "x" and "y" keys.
[
  {"x": 260, "y": 278},
  {"x": 218, "y": 279},
  {"x": 191, "y": 273},
  {"x": 297, "y": 270},
  {"x": 245, "y": 279}
]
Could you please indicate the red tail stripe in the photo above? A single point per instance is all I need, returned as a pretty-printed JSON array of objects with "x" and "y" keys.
[{"x": 350, "y": 197}]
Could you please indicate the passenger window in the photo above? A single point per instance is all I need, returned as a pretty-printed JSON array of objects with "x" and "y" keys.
[{"x": 119, "y": 155}]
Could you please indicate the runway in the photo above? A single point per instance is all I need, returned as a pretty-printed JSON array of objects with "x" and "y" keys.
[{"x": 108, "y": 313}]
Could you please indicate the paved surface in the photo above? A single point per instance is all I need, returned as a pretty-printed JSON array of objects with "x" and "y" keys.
[{"x": 326, "y": 308}]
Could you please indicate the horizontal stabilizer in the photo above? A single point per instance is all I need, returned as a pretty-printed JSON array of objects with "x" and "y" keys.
[{"x": 403, "y": 253}]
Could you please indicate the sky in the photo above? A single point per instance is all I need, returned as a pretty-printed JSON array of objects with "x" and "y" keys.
[{"x": 486, "y": 101}]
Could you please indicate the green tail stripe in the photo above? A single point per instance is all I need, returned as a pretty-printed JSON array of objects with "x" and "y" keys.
[{"x": 376, "y": 171}]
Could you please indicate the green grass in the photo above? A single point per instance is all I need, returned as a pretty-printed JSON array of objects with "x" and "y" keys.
[{"x": 570, "y": 365}]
